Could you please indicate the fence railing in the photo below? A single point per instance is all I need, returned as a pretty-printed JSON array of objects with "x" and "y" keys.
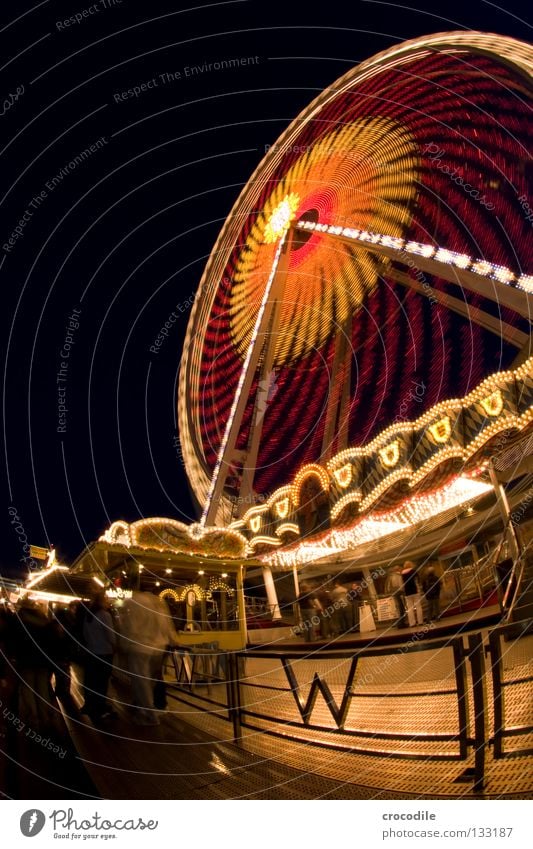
[
  {"x": 421, "y": 699},
  {"x": 502, "y": 687},
  {"x": 280, "y": 701}
]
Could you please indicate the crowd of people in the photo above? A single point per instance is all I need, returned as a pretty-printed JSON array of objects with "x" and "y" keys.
[
  {"x": 330, "y": 611},
  {"x": 39, "y": 647},
  {"x": 334, "y": 609}
]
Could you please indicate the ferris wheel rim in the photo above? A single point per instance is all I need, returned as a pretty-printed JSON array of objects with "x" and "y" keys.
[{"x": 506, "y": 50}]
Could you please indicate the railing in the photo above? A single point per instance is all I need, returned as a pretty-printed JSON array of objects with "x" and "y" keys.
[
  {"x": 422, "y": 699},
  {"x": 204, "y": 672},
  {"x": 291, "y": 711},
  {"x": 258, "y": 610}
]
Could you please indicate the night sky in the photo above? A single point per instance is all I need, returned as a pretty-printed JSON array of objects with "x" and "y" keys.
[{"x": 98, "y": 250}]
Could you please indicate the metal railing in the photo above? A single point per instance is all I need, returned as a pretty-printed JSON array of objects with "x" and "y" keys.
[
  {"x": 289, "y": 722},
  {"x": 500, "y": 686},
  {"x": 322, "y": 696}
]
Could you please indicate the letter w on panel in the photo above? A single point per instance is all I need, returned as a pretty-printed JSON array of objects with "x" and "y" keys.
[{"x": 305, "y": 706}]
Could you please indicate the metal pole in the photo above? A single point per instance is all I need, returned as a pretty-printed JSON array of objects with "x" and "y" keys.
[
  {"x": 505, "y": 511},
  {"x": 233, "y": 691},
  {"x": 270, "y": 337},
  {"x": 233, "y": 424},
  {"x": 462, "y": 697},
  {"x": 479, "y": 691},
  {"x": 497, "y": 691}
]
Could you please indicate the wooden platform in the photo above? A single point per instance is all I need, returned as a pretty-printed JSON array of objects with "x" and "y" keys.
[{"x": 192, "y": 755}]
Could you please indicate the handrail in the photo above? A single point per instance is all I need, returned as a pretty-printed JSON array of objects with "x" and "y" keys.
[
  {"x": 499, "y": 685},
  {"x": 517, "y": 573}
]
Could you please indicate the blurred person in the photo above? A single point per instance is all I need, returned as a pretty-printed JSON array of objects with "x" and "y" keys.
[
  {"x": 309, "y": 608},
  {"x": 356, "y": 597},
  {"x": 431, "y": 586},
  {"x": 411, "y": 585},
  {"x": 325, "y": 609},
  {"x": 146, "y": 631},
  {"x": 63, "y": 653},
  {"x": 30, "y": 645},
  {"x": 100, "y": 642},
  {"x": 394, "y": 586},
  {"x": 5, "y": 627},
  {"x": 342, "y": 616}
]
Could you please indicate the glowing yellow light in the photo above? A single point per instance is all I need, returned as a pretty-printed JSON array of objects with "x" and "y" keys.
[
  {"x": 280, "y": 219},
  {"x": 287, "y": 527},
  {"x": 441, "y": 430},
  {"x": 354, "y": 200},
  {"x": 417, "y": 509},
  {"x": 255, "y": 523},
  {"x": 390, "y": 455},
  {"x": 44, "y": 574},
  {"x": 493, "y": 403},
  {"x": 282, "y": 508},
  {"x": 349, "y": 498},
  {"x": 343, "y": 476}
]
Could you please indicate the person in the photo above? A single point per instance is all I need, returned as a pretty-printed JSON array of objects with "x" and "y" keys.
[
  {"x": 342, "y": 617},
  {"x": 62, "y": 655},
  {"x": 308, "y": 604},
  {"x": 31, "y": 641},
  {"x": 100, "y": 642},
  {"x": 325, "y": 609},
  {"x": 431, "y": 587},
  {"x": 413, "y": 606},
  {"x": 356, "y": 597},
  {"x": 146, "y": 631},
  {"x": 394, "y": 586}
]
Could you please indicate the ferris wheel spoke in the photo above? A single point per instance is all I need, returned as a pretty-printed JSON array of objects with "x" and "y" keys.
[
  {"x": 505, "y": 287},
  {"x": 251, "y": 361}
]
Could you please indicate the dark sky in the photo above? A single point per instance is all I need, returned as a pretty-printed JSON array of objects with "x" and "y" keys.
[{"x": 123, "y": 235}]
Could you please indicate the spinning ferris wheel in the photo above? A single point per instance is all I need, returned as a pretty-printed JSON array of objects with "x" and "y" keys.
[{"x": 374, "y": 265}]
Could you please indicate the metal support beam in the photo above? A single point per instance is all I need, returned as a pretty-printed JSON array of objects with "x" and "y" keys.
[
  {"x": 339, "y": 383},
  {"x": 525, "y": 353},
  {"x": 296, "y": 582},
  {"x": 246, "y": 492},
  {"x": 505, "y": 511},
  {"x": 507, "y": 296},
  {"x": 249, "y": 368},
  {"x": 488, "y": 322},
  {"x": 479, "y": 691},
  {"x": 344, "y": 407}
]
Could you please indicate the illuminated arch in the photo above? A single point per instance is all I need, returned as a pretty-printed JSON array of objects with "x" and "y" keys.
[
  {"x": 170, "y": 593},
  {"x": 194, "y": 588},
  {"x": 311, "y": 470},
  {"x": 219, "y": 583}
]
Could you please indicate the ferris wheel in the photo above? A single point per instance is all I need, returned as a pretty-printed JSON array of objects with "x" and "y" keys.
[{"x": 374, "y": 264}]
